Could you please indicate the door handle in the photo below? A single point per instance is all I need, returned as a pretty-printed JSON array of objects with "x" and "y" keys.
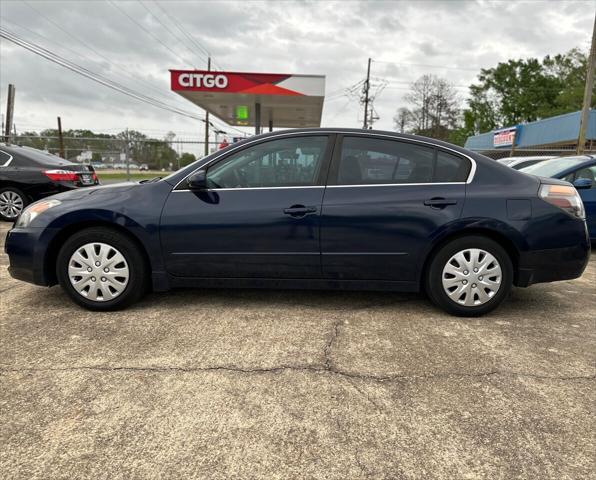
[
  {"x": 439, "y": 202},
  {"x": 299, "y": 210}
]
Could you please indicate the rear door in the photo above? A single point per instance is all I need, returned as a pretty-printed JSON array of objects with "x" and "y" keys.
[
  {"x": 259, "y": 217},
  {"x": 386, "y": 199}
]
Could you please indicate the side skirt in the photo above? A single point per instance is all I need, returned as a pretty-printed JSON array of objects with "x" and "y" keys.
[{"x": 161, "y": 284}]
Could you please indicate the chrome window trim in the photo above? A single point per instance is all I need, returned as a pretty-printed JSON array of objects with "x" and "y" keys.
[
  {"x": 346, "y": 134},
  {"x": 395, "y": 184},
  {"x": 7, "y": 163},
  {"x": 250, "y": 188}
]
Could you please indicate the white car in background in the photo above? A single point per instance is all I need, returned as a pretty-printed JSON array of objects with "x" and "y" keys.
[{"x": 518, "y": 163}]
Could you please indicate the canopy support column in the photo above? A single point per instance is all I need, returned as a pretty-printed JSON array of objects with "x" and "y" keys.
[{"x": 257, "y": 118}]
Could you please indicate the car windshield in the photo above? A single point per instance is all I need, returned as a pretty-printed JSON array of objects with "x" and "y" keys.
[{"x": 552, "y": 167}]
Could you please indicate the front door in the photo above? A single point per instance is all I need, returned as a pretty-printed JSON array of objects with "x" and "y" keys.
[
  {"x": 385, "y": 202},
  {"x": 258, "y": 218}
]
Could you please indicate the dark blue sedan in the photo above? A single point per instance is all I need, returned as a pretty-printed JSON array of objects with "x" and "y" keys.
[
  {"x": 315, "y": 208},
  {"x": 581, "y": 172}
]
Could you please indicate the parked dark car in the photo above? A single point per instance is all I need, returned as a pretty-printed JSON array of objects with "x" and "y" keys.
[
  {"x": 314, "y": 208},
  {"x": 581, "y": 172},
  {"x": 27, "y": 175}
]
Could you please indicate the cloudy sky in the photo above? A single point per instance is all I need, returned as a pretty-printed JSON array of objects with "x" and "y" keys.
[{"x": 129, "y": 43}]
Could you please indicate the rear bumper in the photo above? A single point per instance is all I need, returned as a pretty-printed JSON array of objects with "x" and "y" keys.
[{"x": 553, "y": 264}]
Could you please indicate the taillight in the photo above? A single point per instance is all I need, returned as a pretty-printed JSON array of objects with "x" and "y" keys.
[
  {"x": 565, "y": 197},
  {"x": 61, "y": 175}
]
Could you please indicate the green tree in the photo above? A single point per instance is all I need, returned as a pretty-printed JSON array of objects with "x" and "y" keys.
[
  {"x": 525, "y": 90},
  {"x": 186, "y": 159}
]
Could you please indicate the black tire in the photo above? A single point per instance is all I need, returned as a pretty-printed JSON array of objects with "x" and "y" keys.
[
  {"x": 23, "y": 198},
  {"x": 434, "y": 276},
  {"x": 137, "y": 268}
]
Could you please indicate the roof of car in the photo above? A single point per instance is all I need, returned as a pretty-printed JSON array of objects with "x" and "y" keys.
[
  {"x": 32, "y": 153},
  {"x": 360, "y": 131}
]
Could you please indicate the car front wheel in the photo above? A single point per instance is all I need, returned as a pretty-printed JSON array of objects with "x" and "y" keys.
[
  {"x": 101, "y": 269},
  {"x": 470, "y": 276}
]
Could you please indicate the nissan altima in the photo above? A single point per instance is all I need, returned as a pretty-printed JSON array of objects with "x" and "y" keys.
[{"x": 313, "y": 208}]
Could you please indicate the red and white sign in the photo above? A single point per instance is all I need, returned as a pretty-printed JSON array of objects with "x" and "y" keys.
[
  {"x": 247, "y": 83},
  {"x": 504, "y": 137}
]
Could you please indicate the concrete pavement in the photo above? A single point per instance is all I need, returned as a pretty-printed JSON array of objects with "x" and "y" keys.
[{"x": 293, "y": 384}]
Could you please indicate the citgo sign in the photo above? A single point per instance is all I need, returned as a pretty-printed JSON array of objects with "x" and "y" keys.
[{"x": 207, "y": 80}]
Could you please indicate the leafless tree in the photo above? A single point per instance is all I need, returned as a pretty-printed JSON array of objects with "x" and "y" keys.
[
  {"x": 435, "y": 108},
  {"x": 402, "y": 119}
]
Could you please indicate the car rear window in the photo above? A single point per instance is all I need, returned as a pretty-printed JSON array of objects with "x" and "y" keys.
[{"x": 31, "y": 156}]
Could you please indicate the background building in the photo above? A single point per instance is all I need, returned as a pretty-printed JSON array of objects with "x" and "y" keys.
[{"x": 550, "y": 136}]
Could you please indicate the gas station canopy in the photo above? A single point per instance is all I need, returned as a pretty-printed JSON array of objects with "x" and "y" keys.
[{"x": 254, "y": 99}]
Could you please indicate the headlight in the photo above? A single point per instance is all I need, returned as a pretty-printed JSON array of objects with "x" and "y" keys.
[{"x": 34, "y": 210}]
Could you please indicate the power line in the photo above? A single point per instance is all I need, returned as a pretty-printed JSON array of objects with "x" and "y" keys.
[
  {"x": 218, "y": 128},
  {"x": 148, "y": 32},
  {"x": 169, "y": 30},
  {"x": 55, "y": 58},
  {"x": 180, "y": 27},
  {"x": 118, "y": 68}
]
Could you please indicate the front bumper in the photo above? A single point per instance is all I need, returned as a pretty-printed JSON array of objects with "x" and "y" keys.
[
  {"x": 553, "y": 264},
  {"x": 26, "y": 250}
]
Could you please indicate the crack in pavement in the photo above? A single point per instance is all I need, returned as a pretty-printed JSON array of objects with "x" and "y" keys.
[
  {"x": 303, "y": 368},
  {"x": 329, "y": 345},
  {"x": 327, "y": 367}
]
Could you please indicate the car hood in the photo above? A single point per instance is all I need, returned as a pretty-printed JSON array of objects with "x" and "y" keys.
[{"x": 81, "y": 193}]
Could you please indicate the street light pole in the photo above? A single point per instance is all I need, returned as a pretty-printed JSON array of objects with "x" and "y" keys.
[{"x": 583, "y": 123}]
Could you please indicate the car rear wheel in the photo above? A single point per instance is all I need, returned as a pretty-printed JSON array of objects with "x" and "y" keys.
[
  {"x": 12, "y": 203},
  {"x": 470, "y": 276},
  {"x": 101, "y": 269}
]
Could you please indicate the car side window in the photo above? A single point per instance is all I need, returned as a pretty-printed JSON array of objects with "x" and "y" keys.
[
  {"x": 369, "y": 161},
  {"x": 287, "y": 162},
  {"x": 451, "y": 168}
]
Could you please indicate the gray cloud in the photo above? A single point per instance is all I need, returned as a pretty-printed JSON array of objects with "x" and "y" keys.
[{"x": 331, "y": 38}]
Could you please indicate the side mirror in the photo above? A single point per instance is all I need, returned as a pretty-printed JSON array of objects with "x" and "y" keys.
[
  {"x": 198, "y": 180},
  {"x": 583, "y": 183}
]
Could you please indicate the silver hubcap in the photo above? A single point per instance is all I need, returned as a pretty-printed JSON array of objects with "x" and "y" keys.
[
  {"x": 98, "y": 271},
  {"x": 472, "y": 277},
  {"x": 11, "y": 204}
]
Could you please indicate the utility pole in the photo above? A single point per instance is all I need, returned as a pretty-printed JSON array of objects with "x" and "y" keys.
[
  {"x": 366, "y": 90},
  {"x": 61, "y": 138},
  {"x": 583, "y": 123},
  {"x": 207, "y": 116},
  {"x": 127, "y": 150},
  {"x": 9, "y": 113}
]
